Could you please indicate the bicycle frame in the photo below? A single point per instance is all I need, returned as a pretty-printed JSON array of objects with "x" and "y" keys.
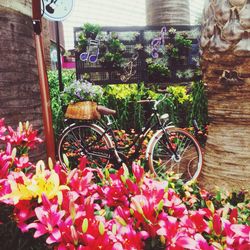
[
  {"x": 140, "y": 137},
  {"x": 99, "y": 142},
  {"x": 116, "y": 152}
]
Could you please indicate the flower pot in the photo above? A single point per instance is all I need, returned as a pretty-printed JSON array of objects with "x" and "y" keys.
[{"x": 85, "y": 110}]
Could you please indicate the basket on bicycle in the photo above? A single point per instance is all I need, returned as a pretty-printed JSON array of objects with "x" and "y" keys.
[{"x": 85, "y": 110}]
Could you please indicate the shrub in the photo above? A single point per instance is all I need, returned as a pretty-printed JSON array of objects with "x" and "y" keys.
[
  {"x": 181, "y": 105},
  {"x": 56, "y": 101}
]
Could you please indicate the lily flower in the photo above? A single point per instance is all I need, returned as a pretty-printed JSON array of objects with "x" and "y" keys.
[{"x": 48, "y": 222}]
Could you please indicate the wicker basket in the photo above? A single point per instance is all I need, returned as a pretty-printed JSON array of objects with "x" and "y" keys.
[{"x": 85, "y": 110}]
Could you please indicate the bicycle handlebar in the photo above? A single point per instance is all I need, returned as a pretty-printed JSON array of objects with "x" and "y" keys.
[
  {"x": 155, "y": 102},
  {"x": 159, "y": 101}
]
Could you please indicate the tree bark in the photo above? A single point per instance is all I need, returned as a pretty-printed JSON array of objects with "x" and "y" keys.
[
  {"x": 167, "y": 12},
  {"x": 225, "y": 44},
  {"x": 19, "y": 87}
]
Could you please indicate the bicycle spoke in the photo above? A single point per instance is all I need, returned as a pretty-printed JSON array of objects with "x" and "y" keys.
[
  {"x": 83, "y": 140},
  {"x": 163, "y": 164},
  {"x": 164, "y": 146},
  {"x": 185, "y": 149},
  {"x": 179, "y": 145},
  {"x": 186, "y": 162}
]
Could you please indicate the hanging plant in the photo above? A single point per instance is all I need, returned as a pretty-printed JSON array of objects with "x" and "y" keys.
[
  {"x": 157, "y": 70},
  {"x": 89, "y": 32}
]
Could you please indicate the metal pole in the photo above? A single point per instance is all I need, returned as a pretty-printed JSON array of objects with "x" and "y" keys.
[{"x": 59, "y": 65}]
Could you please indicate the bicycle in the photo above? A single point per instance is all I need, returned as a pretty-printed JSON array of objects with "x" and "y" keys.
[{"x": 169, "y": 149}]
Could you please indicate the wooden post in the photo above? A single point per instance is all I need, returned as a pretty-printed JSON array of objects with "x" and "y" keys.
[{"x": 43, "y": 81}]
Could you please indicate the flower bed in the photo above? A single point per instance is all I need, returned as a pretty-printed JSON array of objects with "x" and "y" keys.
[{"x": 93, "y": 209}]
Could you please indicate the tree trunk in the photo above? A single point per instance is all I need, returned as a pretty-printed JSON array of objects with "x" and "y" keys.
[
  {"x": 225, "y": 44},
  {"x": 19, "y": 87},
  {"x": 167, "y": 12}
]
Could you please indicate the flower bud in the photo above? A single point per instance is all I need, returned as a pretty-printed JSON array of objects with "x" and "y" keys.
[
  {"x": 13, "y": 154},
  {"x": 160, "y": 205},
  {"x": 59, "y": 198},
  {"x": 210, "y": 206},
  {"x": 74, "y": 235},
  {"x": 126, "y": 171},
  {"x": 20, "y": 127},
  {"x": 40, "y": 167},
  {"x": 72, "y": 210},
  {"x": 121, "y": 220},
  {"x": 106, "y": 171},
  {"x": 123, "y": 179},
  {"x": 85, "y": 225},
  {"x": 131, "y": 211},
  {"x": 50, "y": 163},
  {"x": 66, "y": 160},
  {"x": 163, "y": 239},
  {"x": 27, "y": 124},
  {"x": 114, "y": 228},
  {"x": 137, "y": 206},
  {"x": 101, "y": 228}
]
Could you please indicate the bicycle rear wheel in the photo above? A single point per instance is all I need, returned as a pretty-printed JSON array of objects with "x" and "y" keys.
[
  {"x": 187, "y": 160},
  {"x": 85, "y": 140}
]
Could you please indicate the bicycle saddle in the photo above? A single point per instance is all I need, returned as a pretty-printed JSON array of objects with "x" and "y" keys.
[{"x": 105, "y": 111}]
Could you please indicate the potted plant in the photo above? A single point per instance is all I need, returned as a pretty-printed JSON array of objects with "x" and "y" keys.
[
  {"x": 89, "y": 32},
  {"x": 111, "y": 53},
  {"x": 81, "y": 97},
  {"x": 157, "y": 71}
]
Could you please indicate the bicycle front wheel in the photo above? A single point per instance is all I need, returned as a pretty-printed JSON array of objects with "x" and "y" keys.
[
  {"x": 186, "y": 160},
  {"x": 87, "y": 140}
]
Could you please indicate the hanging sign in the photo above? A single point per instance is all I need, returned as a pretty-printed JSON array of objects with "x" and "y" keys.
[{"x": 56, "y": 10}]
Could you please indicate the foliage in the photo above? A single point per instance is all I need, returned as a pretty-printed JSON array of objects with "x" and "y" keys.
[
  {"x": 171, "y": 52},
  {"x": 89, "y": 208},
  {"x": 157, "y": 71},
  {"x": 178, "y": 105},
  {"x": 181, "y": 106},
  {"x": 199, "y": 110},
  {"x": 124, "y": 98},
  {"x": 81, "y": 90},
  {"x": 89, "y": 31},
  {"x": 111, "y": 52},
  {"x": 56, "y": 99},
  {"x": 182, "y": 41},
  {"x": 110, "y": 47}
]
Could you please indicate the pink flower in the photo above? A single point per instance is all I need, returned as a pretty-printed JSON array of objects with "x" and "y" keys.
[
  {"x": 174, "y": 204},
  {"x": 49, "y": 219},
  {"x": 24, "y": 136},
  {"x": 138, "y": 172},
  {"x": 24, "y": 211},
  {"x": 116, "y": 194},
  {"x": 5, "y": 161},
  {"x": 129, "y": 239},
  {"x": 2, "y": 129},
  {"x": 80, "y": 181},
  {"x": 175, "y": 237},
  {"x": 23, "y": 162}
]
